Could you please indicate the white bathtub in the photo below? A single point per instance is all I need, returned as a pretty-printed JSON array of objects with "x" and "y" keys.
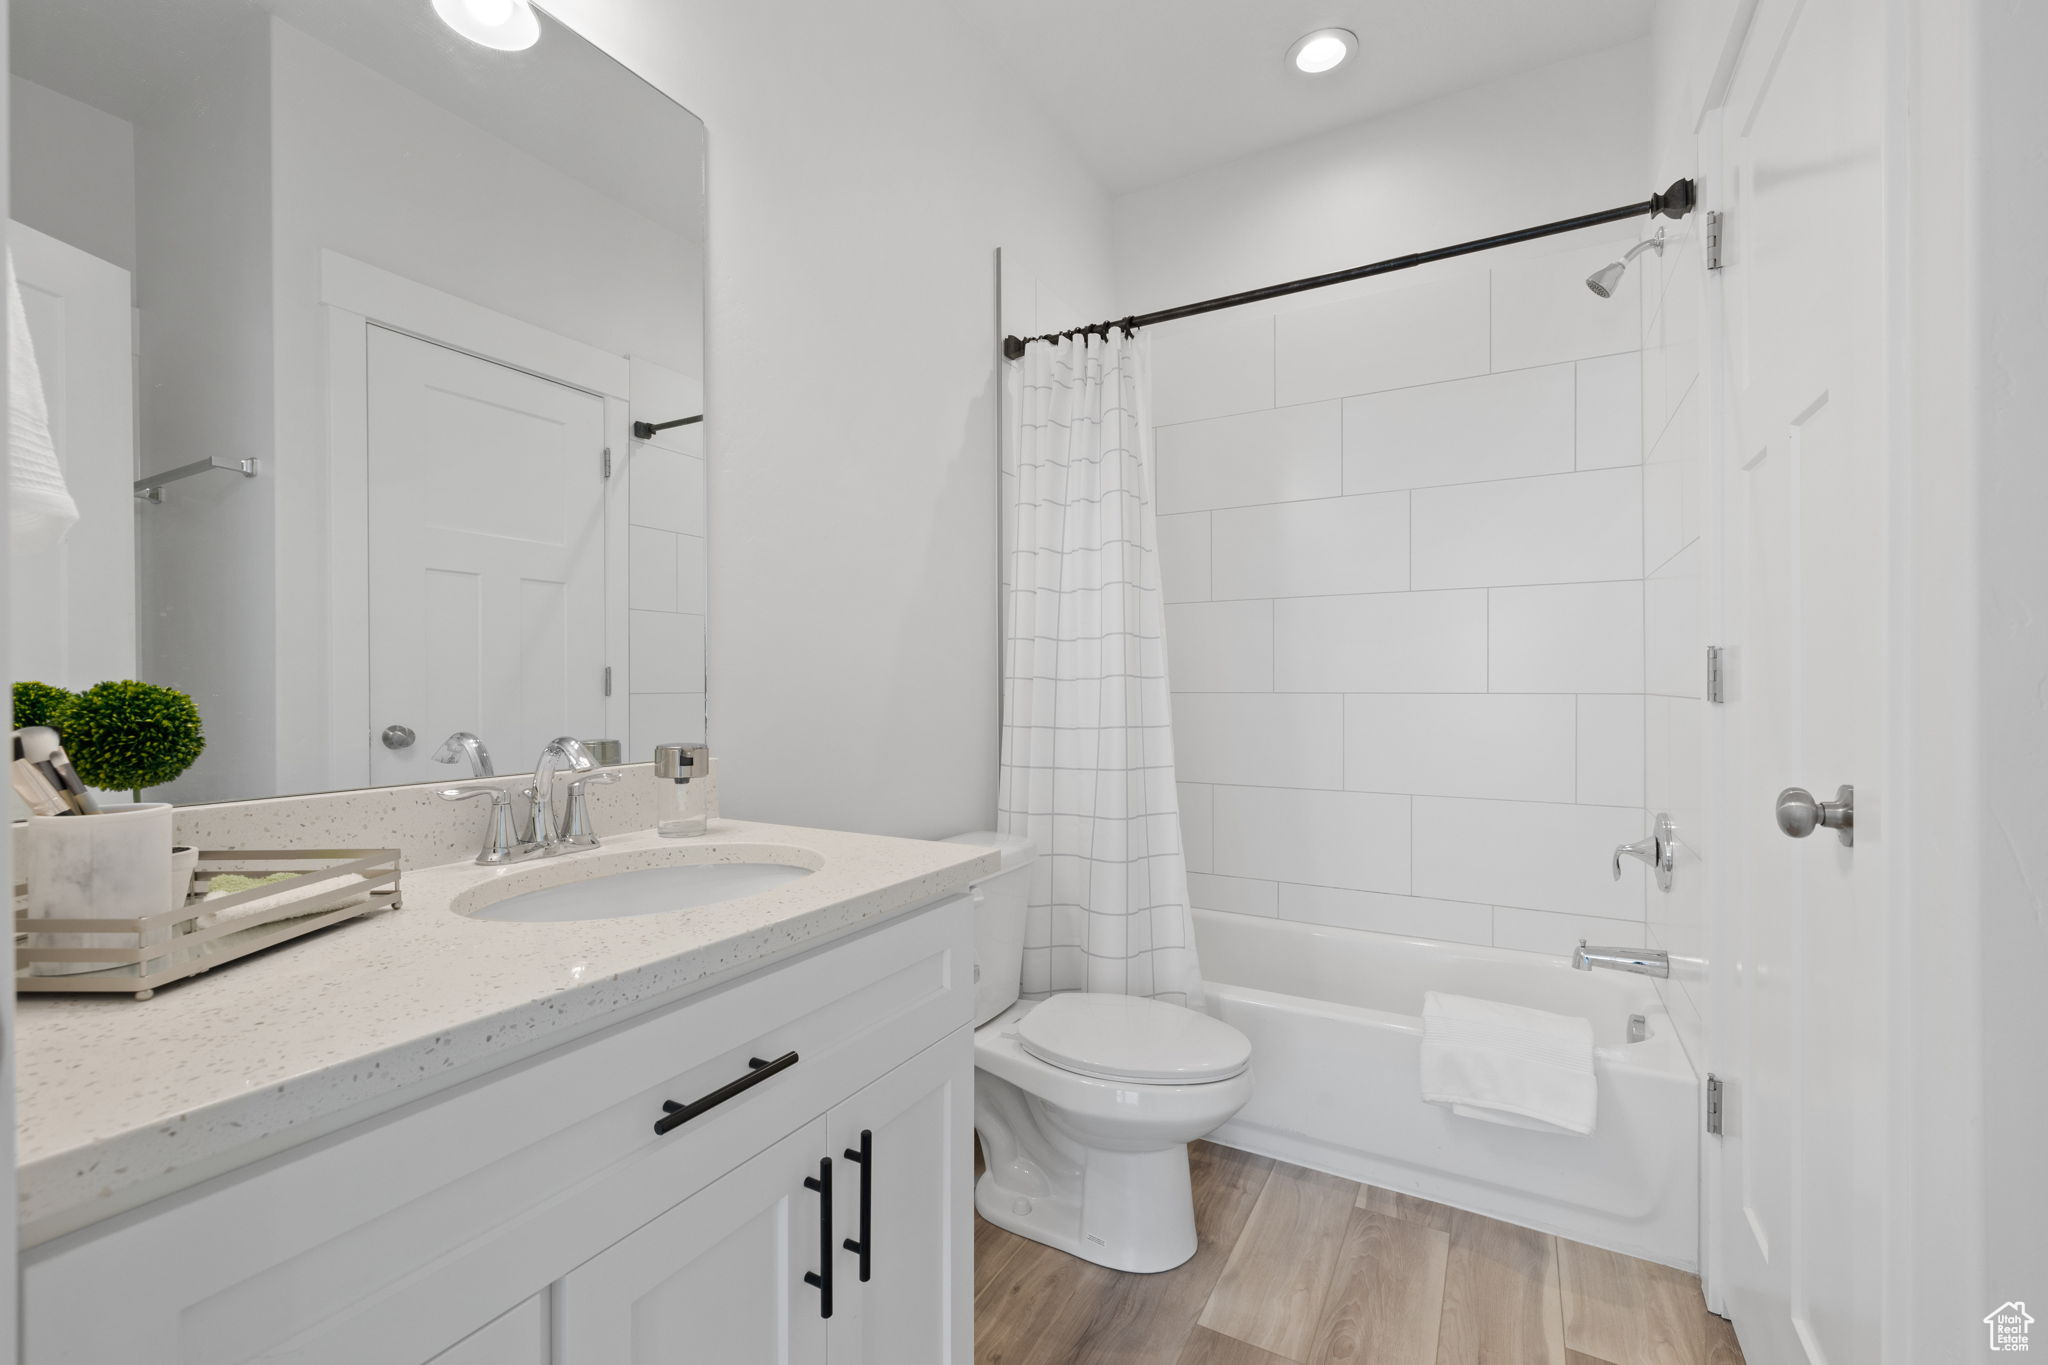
[{"x": 1335, "y": 1019}]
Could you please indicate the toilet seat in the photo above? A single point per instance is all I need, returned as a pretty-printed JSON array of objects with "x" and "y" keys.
[{"x": 1126, "y": 1038}]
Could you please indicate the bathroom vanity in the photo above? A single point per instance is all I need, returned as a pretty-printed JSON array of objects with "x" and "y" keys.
[{"x": 739, "y": 1132}]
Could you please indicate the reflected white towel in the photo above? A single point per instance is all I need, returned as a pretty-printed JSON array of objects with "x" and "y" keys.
[
  {"x": 40, "y": 510},
  {"x": 1510, "y": 1065}
]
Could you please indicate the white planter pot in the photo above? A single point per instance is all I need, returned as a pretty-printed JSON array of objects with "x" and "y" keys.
[{"x": 114, "y": 865}]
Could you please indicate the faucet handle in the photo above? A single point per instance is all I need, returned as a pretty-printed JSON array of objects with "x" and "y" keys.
[
  {"x": 1644, "y": 849},
  {"x": 575, "y": 829},
  {"x": 1659, "y": 850},
  {"x": 502, "y": 843}
]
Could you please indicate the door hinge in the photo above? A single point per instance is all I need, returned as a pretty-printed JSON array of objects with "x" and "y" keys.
[
  {"x": 607, "y": 680},
  {"x": 1712, "y": 241},
  {"x": 1717, "y": 673},
  {"x": 606, "y": 463},
  {"x": 1713, "y": 1104}
]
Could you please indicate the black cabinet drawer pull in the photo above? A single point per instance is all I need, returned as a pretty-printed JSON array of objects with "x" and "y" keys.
[
  {"x": 864, "y": 1157},
  {"x": 821, "y": 1279},
  {"x": 676, "y": 1115}
]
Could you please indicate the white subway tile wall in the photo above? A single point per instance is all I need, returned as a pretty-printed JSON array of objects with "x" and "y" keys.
[
  {"x": 1184, "y": 557},
  {"x": 1311, "y": 549},
  {"x": 1206, "y": 464},
  {"x": 1387, "y": 338},
  {"x": 1405, "y": 546}
]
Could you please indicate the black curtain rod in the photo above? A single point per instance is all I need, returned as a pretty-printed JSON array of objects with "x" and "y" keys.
[{"x": 1675, "y": 202}]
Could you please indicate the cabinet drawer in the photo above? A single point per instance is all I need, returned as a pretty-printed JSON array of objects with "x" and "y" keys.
[{"x": 394, "y": 1239}]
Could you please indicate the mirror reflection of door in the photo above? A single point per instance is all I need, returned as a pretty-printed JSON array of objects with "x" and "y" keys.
[{"x": 486, "y": 539}]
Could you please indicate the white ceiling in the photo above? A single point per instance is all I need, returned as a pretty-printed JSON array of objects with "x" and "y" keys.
[{"x": 1152, "y": 89}]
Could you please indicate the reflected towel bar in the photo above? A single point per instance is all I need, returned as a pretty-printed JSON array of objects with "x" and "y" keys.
[
  {"x": 644, "y": 431},
  {"x": 151, "y": 489}
]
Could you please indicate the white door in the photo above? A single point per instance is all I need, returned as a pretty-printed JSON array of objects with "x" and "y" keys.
[
  {"x": 718, "y": 1279},
  {"x": 1802, "y": 456},
  {"x": 486, "y": 497},
  {"x": 915, "y": 1126},
  {"x": 72, "y": 620}
]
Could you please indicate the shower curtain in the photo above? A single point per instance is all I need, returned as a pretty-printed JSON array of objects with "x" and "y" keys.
[{"x": 1087, "y": 758}]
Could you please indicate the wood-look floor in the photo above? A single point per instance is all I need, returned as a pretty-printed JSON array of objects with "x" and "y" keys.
[{"x": 1299, "y": 1268}]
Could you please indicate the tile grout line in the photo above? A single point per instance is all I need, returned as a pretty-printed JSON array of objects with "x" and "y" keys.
[
  {"x": 1277, "y": 406},
  {"x": 1569, "y": 473}
]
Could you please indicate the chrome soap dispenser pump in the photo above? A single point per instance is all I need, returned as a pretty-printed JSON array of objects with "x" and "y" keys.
[{"x": 679, "y": 763}]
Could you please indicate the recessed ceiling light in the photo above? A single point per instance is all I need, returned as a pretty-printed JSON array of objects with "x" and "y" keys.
[
  {"x": 507, "y": 25},
  {"x": 1324, "y": 50}
]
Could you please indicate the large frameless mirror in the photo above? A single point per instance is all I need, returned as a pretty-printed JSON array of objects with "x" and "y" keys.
[{"x": 345, "y": 324}]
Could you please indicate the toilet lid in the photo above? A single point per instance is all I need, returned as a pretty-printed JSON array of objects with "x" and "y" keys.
[{"x": 1124, "y": 1038}]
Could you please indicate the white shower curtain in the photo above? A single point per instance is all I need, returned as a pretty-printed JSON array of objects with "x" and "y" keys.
[{"x": 1087, "y": 764}]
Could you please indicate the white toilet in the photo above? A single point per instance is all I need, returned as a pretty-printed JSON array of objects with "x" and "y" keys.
[{"x": 1084, "y": 1103}]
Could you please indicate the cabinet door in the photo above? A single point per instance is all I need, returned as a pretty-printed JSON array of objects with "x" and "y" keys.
[
  {"x": 717, "y": 1278},
  {"x": 915, "y": 1308}
]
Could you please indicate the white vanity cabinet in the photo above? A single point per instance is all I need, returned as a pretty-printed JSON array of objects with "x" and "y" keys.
[
  {"x": 732, "y": 1274},
  {"x": 721, "y": 1276},
  {"x": 532, "y": 1216}
]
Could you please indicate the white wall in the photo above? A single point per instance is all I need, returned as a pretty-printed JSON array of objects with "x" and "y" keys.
[
  {"x": 866, "y": 161},
  {"x": 1401, "y": 527},
  {"x": 74, "y": 172},
  {"x": 1551, "y": 143}
]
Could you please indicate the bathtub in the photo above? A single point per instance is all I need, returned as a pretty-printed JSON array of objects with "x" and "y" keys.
[{"x": 1335, "y": 1019}]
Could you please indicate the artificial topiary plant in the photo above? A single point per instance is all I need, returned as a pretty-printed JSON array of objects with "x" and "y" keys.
[
  {"x": 124, "y": 736},
  {"x": 38, "y": 703}
]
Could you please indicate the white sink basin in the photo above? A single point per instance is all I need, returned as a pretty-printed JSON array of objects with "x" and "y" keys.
[{"x": 649, "y": 891}]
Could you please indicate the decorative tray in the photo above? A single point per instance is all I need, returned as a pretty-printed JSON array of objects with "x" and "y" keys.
[{"x": 135, "y": 956}]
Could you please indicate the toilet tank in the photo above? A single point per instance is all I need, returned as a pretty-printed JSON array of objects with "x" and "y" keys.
[{"x": 1000, "y": 900}]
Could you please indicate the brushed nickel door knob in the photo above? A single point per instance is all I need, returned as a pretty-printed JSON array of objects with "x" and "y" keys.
[
  {"x": 1800, "y": 815},
  {"x": 398, "y": 737}
]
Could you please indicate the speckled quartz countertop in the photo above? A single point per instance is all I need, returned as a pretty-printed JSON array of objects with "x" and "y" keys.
[{"x": 121, "y": 1100}]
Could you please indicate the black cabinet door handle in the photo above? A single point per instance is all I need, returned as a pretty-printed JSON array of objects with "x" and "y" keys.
[
  {"x": 821, "y": 1279},
  {"x": 676, "y": 1115},
  {"x": 864, "y": 1157}
]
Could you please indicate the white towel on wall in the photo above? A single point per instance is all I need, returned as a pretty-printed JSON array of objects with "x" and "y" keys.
[
  {"x": 40, "y": 510},
  {"x": 1509, "y": 1065}
]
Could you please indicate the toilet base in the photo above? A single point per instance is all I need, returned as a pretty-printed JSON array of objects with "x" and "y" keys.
[{"x": 1135, "y": 1211}]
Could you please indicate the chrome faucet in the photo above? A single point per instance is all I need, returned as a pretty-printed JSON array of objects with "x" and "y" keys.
[
  {"x": 1641, "y": 961},
  {"x": 540, "y": 834},
  {"x": 565, "y": 753},
  {"x": 462, "y": 743}
]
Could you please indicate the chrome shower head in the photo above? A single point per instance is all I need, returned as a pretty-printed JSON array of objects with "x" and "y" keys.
[
  {"x": 1603, "y": 280},
  {"x": 1607, "y": 278}
]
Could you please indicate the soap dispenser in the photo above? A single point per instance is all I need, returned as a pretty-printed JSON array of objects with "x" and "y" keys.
[{"x": 678, "y": 763}]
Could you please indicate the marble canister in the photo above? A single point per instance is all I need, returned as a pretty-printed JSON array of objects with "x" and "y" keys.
[{"x": 114, "y": 865}]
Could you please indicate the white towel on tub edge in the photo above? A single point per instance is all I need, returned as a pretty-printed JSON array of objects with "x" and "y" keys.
[{"x": 1508, "y": 1064}]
